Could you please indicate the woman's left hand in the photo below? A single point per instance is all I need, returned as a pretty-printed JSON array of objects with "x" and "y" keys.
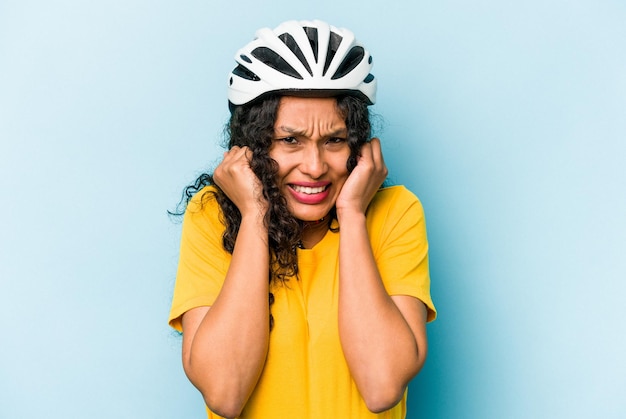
[{"x": 366, "y": 178}]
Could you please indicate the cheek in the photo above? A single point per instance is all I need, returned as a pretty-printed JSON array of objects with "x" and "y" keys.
[
  {"x": 340, "y": 165},
  {"x": 339, "y": 184},
  {"x": 284, "y": 167}
]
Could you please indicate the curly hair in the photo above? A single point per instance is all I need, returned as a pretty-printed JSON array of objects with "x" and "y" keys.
[{"x": 252, "y": 126}]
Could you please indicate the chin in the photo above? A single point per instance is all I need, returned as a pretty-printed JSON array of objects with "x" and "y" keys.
[
  {"x": 309, "y": 219},
  {"x": 310, "y": 216},
  {"x": 312, "y": 222}
]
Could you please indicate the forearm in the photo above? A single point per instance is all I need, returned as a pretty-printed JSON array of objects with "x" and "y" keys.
[
  {"x": 230, "y": 345},
  {"x": 379, "y": 345}
]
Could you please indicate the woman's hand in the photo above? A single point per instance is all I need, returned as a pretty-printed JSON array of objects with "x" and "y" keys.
[
  {"x": 366, "y": 178},
  {"x": 235, "y": 177},
  {"x": 383, "y": 337},
  {"x": 225, "y": 346}
]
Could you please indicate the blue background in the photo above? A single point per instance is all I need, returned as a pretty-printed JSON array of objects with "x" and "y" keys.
[{"x": 508, "y": 119}]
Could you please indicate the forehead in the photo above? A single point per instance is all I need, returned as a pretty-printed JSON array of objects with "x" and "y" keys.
[{"x": 305, "y": 113}]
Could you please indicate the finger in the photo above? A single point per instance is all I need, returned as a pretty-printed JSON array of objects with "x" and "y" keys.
[
  {"x": 366, "y": 157},
  {"x": 233, "y": 150},
  {"x": 248, "y": 154},
  {"x": 235, "y": 156},
  {"x": 377, "y": 152},
  {"x": 229, "y": 154}
]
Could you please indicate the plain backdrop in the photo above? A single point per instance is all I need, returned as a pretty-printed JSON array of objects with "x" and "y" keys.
[{"x": 507, "y": 119}]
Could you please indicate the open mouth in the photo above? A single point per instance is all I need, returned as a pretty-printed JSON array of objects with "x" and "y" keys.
[{"x": 308, "y": 190}]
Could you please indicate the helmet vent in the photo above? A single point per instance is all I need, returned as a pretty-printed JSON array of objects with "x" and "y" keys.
[
  {"x": 333, "y": 46},
  {"x": 369, "y": 78},
  {"x": 243, "y": 72},
  {"x": 278, "y": 63},
  {"x": 311, "y": 33},
  {"x": 293, "y": 46},
  {"x": 352, "y": 59}
]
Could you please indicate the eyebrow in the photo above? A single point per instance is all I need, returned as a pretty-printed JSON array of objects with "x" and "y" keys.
[{"x": 295, "y": 131}]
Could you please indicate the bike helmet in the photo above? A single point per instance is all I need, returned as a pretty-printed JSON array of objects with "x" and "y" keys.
[{"x": 303, "y": 58}]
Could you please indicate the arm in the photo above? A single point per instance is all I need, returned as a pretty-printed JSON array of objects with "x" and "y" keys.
[
  {"x": 383, "y": 338},
  {"x": 225, "y": 345}
]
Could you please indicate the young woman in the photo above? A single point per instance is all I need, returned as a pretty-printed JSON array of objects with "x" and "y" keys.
[{"x": 303, "y": 287}]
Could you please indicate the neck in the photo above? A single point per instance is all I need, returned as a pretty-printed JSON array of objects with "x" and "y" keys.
[{"x": 314, "y": 231}]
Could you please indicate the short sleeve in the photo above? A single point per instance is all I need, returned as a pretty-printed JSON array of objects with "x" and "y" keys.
[
  {"x": 398, "y": 235},
  {"x": 203, "y": 262}
]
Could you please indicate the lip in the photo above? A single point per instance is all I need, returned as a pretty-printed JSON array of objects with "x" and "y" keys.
[
  {"x": 310, "y": 199},
  {"x": 310, "y": 184}
]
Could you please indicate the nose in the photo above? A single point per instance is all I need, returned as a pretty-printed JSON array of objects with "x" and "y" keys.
[{"x": 313, "y": 162}]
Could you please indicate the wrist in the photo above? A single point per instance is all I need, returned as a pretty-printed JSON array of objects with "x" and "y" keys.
[
  {"x": 255, "y": 215},
  {"x": 349, "y": 215}
]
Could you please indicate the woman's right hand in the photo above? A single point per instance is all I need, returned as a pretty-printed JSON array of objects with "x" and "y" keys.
[
  {"x": 235, "y": 177},
  {"x": 225, "y": 346}
]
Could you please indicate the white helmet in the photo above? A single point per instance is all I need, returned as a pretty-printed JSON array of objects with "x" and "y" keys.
[{"x": 305, "y": 58}]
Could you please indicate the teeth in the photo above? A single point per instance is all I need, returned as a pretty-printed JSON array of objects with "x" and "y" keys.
[{"x": 308, "y": 190}]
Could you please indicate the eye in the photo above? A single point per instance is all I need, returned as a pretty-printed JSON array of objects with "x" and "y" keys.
[
  {"x": 289, "y": 140},
  {"x": 336, "y": 140}
]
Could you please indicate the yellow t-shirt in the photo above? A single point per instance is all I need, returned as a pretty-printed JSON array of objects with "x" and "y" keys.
[{"x": 305, "y": 374}]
